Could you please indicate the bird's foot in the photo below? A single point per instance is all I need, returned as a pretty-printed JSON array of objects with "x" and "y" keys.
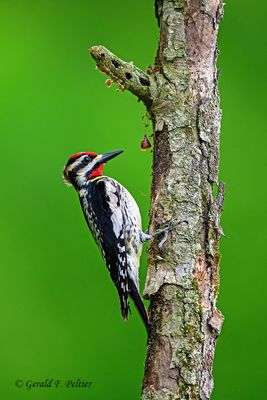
[{"x": 165, "y": 232}]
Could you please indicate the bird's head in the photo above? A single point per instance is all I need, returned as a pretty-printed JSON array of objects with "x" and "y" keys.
[{"x": 85, "y": 166}]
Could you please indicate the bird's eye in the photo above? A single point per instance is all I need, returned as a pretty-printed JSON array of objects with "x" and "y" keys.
[{"x": 86, "y": 159}]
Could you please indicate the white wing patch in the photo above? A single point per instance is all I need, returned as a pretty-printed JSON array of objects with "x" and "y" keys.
[
  {"x": 126, "y": 219},
  {"x": 117, "y": 219}
]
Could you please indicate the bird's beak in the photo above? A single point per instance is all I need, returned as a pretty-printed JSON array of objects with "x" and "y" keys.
[{"x": 103, "y": 158}]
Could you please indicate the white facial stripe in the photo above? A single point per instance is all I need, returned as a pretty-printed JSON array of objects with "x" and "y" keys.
[
  {"x": 84, "y": 170},
  {"x": 82, "y": 174},
  {"x": 75, "y": 164},
  {"x": 97, "y": 158}
]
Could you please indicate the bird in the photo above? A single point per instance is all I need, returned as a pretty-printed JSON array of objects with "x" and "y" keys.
[{"x": 113, "y": 217}]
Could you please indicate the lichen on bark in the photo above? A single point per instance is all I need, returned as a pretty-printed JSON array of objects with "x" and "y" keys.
[{"x": 183, "y": 278}]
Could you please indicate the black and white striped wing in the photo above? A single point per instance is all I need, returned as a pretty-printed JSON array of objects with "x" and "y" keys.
[{"x": 106, "y": 220}]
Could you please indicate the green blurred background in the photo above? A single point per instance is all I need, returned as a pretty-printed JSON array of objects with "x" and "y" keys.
[{"x": 59, "y": 311}]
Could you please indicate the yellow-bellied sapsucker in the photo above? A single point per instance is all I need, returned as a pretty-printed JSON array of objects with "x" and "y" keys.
[{"x": 114, "y": 220}]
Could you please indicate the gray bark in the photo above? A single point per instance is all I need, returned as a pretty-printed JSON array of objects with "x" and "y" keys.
[{"x": 181, "y": 96}]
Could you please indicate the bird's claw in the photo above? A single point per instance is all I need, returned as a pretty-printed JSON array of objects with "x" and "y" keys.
[
  {"x": 166, "y": 232},
  {"x": 165, "y": 236}
]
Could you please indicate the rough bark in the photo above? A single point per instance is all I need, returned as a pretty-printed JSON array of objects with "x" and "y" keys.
[{"x": 182, "y": 283}]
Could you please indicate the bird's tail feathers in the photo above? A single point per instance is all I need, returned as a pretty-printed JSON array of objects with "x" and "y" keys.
[{"x": 133, "y": 291}]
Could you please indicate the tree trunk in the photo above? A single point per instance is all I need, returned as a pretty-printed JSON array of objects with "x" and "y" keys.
[{"x": 181, "y": 96}]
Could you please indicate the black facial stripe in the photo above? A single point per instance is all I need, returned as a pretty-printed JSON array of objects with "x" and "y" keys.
[
  {"x": 72, "y": 160},
  {"x": 96, "y": 165},
  {"x": 81, "y": 165}
]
